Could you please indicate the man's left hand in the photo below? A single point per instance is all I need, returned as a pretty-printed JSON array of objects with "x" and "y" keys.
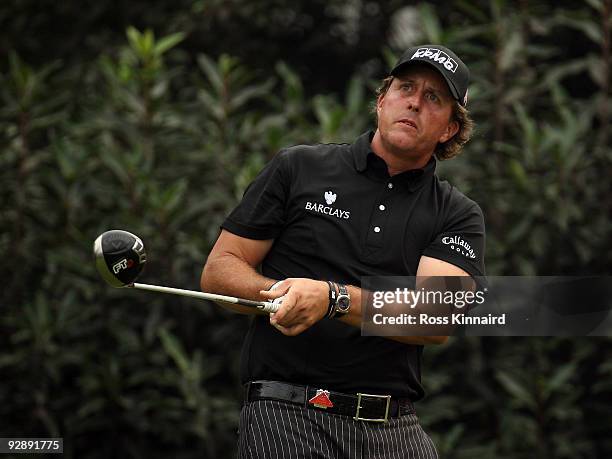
[{"x": 305, "y": 302}]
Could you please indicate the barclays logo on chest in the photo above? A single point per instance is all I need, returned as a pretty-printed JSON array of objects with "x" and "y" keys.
[{"x": 327, "y": 209}]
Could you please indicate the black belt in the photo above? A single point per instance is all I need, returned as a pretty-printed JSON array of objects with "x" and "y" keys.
[{"x": 362, "y": 407}]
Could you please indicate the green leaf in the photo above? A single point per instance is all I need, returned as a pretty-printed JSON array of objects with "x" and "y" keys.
[
  {"x": 173, "y": 195},
  {"x": 588, "y": 27},
  {"x": 227, "y": 64},
  {"x": 518, "y": 390},
  {"x": 248, "y": 93},
  {"x": 294, "y": 90},
  {"x": 134, "y": 37},
  {"x": 165, "y": 43},
  {"x": 596, "y": 5},
  {"x": 559, "y": 379},
  {"x": 430, "y": 22},
  {"x": 212, "y": 72},
  {"x": 20, "y": 72},
  {"x": 117, "y": 167},
  {"x": 518, "y": 174},
  {"x": 174, "y": 349},
  {"x": 511, "y": 49},
  {"x": 147, "y": 43},
  {"x": 529, "y": 129},
  {"x": 355, "y": 96},
  {"x": 212, "y": 105}
]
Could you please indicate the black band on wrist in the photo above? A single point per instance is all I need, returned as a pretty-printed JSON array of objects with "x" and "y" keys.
[{"x": 331, "y": 307}]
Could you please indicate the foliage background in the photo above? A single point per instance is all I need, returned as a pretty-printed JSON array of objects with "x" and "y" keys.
[{"x": 153, "y": 117}]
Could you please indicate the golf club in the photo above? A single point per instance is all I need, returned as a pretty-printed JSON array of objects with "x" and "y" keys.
[{"x": 120, "y": 257}]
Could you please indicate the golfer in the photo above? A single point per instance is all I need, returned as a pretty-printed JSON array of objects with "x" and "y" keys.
[{"x": 316, "y": 220}]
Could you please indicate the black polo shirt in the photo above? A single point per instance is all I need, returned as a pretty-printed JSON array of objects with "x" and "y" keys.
[{"x": 335, "y": 214}]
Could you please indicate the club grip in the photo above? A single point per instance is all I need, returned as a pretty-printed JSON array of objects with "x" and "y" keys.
[
  {"x": 266, "y": 306},
  {"x": 270, "y": 306}
]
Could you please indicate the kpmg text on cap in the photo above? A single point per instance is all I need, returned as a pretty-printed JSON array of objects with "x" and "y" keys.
[{"x": 437, "y": 55}]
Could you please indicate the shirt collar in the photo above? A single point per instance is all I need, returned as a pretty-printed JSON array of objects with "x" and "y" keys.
[{"x": 366, "y": 160}]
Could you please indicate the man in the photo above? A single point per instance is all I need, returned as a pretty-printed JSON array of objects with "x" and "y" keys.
[{"x": 319, "y": 218}]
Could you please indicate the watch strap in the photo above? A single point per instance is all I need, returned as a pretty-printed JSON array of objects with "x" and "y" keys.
[{"x": 342, "y": 291}]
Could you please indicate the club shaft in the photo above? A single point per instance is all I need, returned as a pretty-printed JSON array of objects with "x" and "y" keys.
[{"x": 265, "y": 306}]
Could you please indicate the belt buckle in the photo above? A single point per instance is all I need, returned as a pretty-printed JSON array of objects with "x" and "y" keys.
[{"x": 385, "y": 419}]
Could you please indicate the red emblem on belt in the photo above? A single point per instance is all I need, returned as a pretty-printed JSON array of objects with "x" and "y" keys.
[{"x": 321, "y": 399}]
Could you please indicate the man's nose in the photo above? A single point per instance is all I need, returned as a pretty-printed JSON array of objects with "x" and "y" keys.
[{"x": 414, "y": 101}]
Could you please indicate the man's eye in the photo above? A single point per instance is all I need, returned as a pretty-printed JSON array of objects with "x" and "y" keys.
[{"x": 431, "y": 96}]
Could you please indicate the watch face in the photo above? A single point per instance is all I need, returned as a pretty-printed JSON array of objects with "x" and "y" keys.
[{"x": 343, "y": 303}]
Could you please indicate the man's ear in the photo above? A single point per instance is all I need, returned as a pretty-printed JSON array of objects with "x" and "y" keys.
[
  {"x": 451, "y": 130},
  {"x": 379, "y": 102}
]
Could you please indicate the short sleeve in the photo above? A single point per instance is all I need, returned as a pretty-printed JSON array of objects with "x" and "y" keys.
[
  {"x": 462, "y": 240},
  {"x": 261, "y": 214}
]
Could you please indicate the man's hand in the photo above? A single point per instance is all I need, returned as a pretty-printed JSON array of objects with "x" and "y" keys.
[{"x": 305, "y": 302}]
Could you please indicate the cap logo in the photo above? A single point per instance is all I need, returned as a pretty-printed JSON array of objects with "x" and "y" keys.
[{"x": 438, "y": 56}]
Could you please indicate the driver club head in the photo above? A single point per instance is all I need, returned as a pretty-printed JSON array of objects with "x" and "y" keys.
[{"x": 120, "y": 257}]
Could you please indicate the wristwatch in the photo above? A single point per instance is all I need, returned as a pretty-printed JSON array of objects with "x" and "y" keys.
[{"x": 343, "y": 302}]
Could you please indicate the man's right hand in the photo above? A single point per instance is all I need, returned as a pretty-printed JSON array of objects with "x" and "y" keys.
[{"x": 304, "y": 303}]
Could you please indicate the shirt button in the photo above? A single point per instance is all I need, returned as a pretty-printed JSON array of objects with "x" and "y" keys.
[
  {"x": 382, "y": 207},
  {"x": 377, "y": 229},
  {"x": 389, "y": 185}
]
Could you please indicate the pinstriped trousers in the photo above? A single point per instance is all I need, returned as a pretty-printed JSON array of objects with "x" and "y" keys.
[{"x": 275, "y": 429}]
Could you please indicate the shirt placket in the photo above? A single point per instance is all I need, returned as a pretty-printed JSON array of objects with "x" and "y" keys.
[{"x": 377, "y": 228}]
